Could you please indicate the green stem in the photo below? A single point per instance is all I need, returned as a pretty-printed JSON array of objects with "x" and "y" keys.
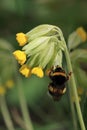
[
  {"x": 5, "y": 113},
  {"x": 73, "y": 85},
  {"x": 24, "y": 109},
  {"x": 72, "y": 110}
]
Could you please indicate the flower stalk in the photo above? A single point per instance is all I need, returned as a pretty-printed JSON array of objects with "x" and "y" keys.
[
  {"x": 74, "y": 90},
  {"x": 25, "y": 111},
  {"x": 73, "y": 112},
  {"x": 5, "y": 113}
]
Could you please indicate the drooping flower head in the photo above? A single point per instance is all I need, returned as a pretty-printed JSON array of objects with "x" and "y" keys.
[{"x": 43, "y": 49}]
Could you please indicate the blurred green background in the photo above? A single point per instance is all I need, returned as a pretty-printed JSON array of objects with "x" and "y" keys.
[{"x": 21, "y": 16}]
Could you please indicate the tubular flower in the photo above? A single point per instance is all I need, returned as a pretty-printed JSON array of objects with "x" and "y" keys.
[
  {"x": 2, "y": 90},
  {"x": 76, "y": 38},
  {"x": 37, "y": 71},
  {"x": 24, "y": 70},
  {"x": 82, "y": 33},
  {"x": 20, "y": 56},
  {"x": 43, "y": 50},
  {"x": 21, "y": 38}
]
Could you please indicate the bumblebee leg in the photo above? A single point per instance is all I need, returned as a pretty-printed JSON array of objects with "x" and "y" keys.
[
  {"x": 49, "y": 71},
  {"x": 69, "y": 75}
]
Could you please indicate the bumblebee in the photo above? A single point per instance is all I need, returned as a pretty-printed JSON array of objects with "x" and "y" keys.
[{"x": 58, "y": 77}]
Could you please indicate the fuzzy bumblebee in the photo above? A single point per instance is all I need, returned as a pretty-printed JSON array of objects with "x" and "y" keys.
[{"x": 57, "y": 87}]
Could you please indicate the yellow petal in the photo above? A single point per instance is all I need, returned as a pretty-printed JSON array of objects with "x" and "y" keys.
[
  {"x": 37, "y": 71},
  {"x": 20, "y": 56},
  {"x": 21, "y": 38},
  {"x": 82, "y": 33},
  {"x": 24, "y": 70},
  {"x": 2, "y": 90}
]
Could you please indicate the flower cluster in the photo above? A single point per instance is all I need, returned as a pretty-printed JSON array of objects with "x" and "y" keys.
[{"x": 42, "y": 49}]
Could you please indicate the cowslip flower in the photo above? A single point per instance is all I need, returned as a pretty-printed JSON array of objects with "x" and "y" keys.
[
  {"x": 38, "y": 71},
  {"x": 24, "y": 70},
  {"x": 20, "y": 56},
  {"x": 82, "y": 33},
  {"x": 43, "y": 50},
  {"x": 76, "y": 38},
  {"x": 21, "y": 38}
]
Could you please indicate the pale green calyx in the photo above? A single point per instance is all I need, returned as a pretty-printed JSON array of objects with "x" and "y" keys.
[
  {"x": 44, "y": 47},
  {"x": 44, "y": 30}
]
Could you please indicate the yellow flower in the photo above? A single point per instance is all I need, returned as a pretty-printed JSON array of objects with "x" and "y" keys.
[
  {"x": 37, "y": 71},
  {"x": 20, "y": 56},
  {"x": 21, "y": 38},
  {"x": 82, "y": 33},
  {"x": 9, "y": 84},
  {"x": 2, "y": 90},
  {"x": 25, "y": 70}
]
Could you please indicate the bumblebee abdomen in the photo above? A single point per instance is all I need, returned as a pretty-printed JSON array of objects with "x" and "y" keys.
[
  {"x": 55, "y": 91},
  {"x": 58, "y": 77}
]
